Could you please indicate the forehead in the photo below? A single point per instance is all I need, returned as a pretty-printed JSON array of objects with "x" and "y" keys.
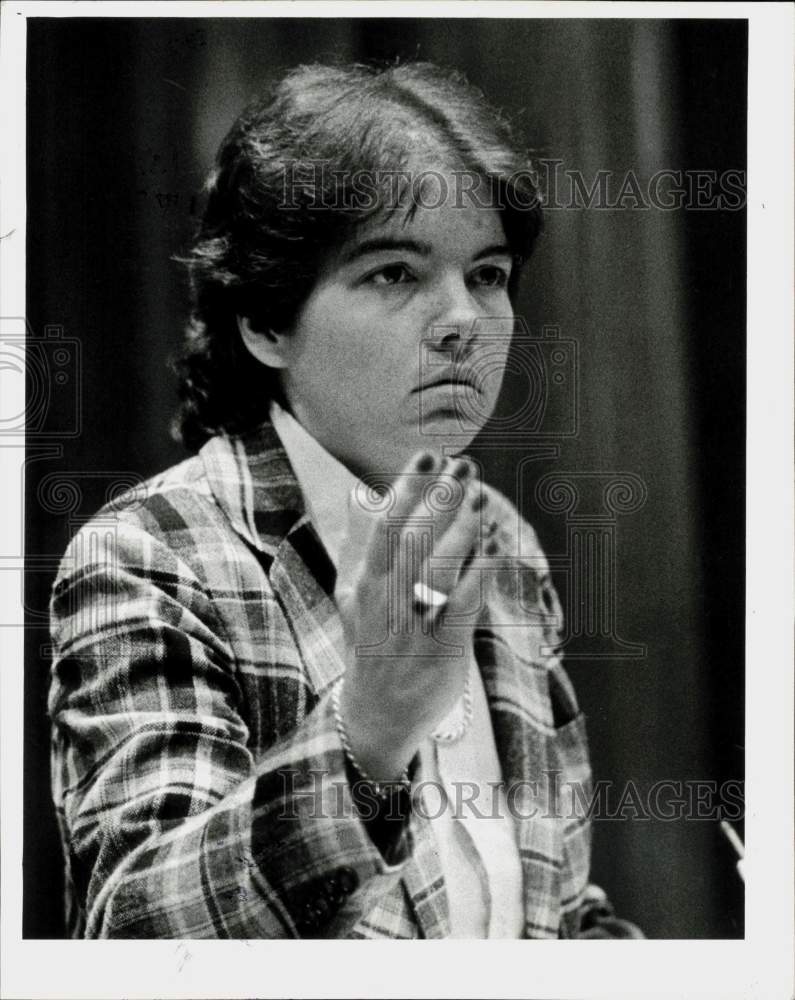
[{"x": 439, "y": 216}]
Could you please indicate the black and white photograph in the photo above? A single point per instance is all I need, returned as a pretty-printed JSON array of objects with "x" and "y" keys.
[{"x": 400, "y": 452}]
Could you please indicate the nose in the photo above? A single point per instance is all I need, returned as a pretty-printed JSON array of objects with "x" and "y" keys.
[{"x": 453, "y": 316}]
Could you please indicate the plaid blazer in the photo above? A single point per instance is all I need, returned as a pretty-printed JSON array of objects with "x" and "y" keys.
[{"x": 199, "y": 781}]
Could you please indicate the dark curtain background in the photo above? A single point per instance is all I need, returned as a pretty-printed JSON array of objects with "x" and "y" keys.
[{"x": 123, "y": 120}]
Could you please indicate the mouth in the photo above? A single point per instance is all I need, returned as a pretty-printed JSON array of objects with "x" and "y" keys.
[{"x": 461, "y": 379}]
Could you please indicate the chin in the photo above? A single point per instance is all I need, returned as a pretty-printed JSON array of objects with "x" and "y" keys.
[
  {"x": 446, "y": 433},
  {"x": 443, "y": 436}
]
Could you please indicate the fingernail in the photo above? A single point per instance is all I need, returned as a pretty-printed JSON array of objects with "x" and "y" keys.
[{"x": 462, "y": 468}]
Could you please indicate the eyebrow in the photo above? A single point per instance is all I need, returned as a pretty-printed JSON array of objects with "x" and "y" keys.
[{"x": 414, "y": 246}]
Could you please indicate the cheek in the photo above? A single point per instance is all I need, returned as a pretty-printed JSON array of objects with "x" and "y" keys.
[
  {"x": 371, "y": 349},
  {"x": 327, "y": 344},
  {"x": 344, "y": 348},
  {"x": 489, "y": 360}
]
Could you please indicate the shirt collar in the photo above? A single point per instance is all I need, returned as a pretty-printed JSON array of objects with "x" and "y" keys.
[{"x": 325, "y": 482}]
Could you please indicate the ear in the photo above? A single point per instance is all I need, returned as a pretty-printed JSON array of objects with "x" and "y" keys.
[{"x": 267, "y": 346}]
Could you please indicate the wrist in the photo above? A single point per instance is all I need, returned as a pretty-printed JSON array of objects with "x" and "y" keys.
[{"x": 375, "y": 758}]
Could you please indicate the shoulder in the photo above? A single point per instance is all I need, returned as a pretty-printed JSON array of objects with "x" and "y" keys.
[
  {"x": 170, "y": 520},
  {"x": 166, "y": 504}
]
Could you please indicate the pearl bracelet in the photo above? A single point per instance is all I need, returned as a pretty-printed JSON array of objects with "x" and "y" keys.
[{"x": 381, "y": 789}]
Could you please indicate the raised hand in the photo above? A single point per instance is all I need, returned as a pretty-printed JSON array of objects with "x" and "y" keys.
[{"x": 407, "y": 661}]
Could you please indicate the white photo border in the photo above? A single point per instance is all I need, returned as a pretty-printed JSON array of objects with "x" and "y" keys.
[{"x": 761, "y": 965}]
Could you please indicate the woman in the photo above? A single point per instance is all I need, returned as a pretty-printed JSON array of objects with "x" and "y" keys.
[{"x": 306, "y": 683}]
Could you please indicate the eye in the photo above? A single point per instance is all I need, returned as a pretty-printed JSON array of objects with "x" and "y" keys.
[
  {"x": 491, "y": 276},
  {"x": 392, "y": 274}
]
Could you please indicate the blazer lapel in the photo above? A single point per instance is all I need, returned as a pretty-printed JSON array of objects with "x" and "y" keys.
[
  {"x": 254, "y": 483},
  {"x": 303, "y": 578}
]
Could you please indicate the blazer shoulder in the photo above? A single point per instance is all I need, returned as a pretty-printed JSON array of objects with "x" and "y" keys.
[
  {"x": 164, "y": 505},
  {"x": 175, "y": 509}
]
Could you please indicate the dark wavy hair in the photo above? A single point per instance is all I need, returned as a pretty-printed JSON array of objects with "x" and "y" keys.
[{"x": 328, "y": 149}]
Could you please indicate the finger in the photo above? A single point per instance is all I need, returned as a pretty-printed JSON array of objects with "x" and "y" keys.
[
  {"x": 462, "y": 583},
  {"x": 427, "y": 485},
  {"x": 446, "y": 497},
  {"x": 394, "y": 498},
  {"x": 442, "y": 566},
  {"x": 371, "y": 507},
  {"x": 408, "y": 487}
]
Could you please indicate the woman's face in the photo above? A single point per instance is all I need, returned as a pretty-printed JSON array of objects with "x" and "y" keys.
[{"x": 402, "y": 343}]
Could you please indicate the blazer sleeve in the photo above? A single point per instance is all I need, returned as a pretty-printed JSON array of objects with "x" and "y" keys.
[{"x": 171, "y": 828}]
